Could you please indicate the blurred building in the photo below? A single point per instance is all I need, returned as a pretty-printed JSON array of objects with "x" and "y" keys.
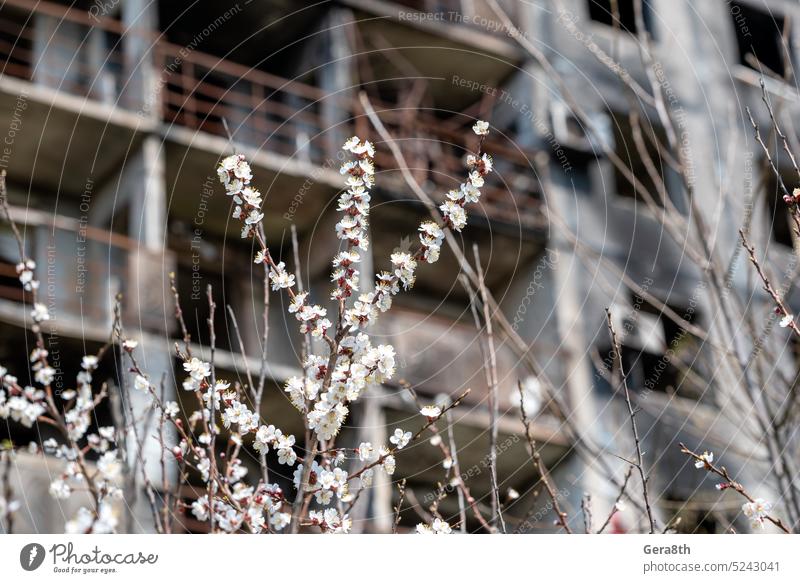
[{"x": 119, "y": 110}]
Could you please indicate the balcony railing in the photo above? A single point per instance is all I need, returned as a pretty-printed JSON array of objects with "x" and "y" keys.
[
  {"x": 198, "y": 91},
  {"x": 82, "y": 269}
]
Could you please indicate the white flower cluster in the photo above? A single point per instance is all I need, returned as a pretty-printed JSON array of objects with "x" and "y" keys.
[
  {"x": 39, "y": 313},
  {"x": 283, "y": 444},
  {"x": 481, "y": 128},
  {"x": 330, "y": 521},
  {"x": 352, "y": 227},
  {"x": 26, "y": 277},
  {"x": 8, "y": 507},
  {"x": 757, "y": 511},
  {"x": 453, "y": 209},
  {"x": 105, "y": 481},
  {"x": 431, "y": 236},
  {"x": 280, "y": 278},
  {"x": 438, "y": 526},
  {"x": 235, "y": 174},
  {"x": 430, "y": 411},
  {"x": 311, "y": 316},
  {"x": 257, "y": 508},
  {"x": 86, "y": 522},
  {"x": 358, "y": 364},
  {"x": 198, "y": 372},
  {"x": 404, "y": 266},
  {"x": 79, "y": 417},
  {"x": 23, "y": 405}
]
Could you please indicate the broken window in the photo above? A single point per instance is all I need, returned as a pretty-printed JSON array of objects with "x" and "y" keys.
[
  {"x": 654, "y": 140},
  {"x": 777, "y": 211},
  {"x": 700, "y": 514},
  {"x": 657, "y": 353},
  {"x": 621, "y": 13},
  {"x": 760, "y": 38}
]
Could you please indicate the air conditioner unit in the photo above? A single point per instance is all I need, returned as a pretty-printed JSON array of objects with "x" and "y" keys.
[
  {"x": 639, "y": 330},
  {"x": 570, "y": 133}
]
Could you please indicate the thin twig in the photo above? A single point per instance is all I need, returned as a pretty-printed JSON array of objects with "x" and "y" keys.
[
  {"x": 730, "y": 483},
  {"x": 536, "y": 458},
  {"x": 632, "y": 414}
]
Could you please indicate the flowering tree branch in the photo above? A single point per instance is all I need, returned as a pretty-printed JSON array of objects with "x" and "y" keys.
[
  {"x": 639, "y": 464},
  {"x": 756, "y": 509}
]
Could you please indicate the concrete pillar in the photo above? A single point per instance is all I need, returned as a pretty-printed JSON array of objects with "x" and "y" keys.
[
  {"x": 140, "y": 18},
  {"x": 155, "y": 359}
]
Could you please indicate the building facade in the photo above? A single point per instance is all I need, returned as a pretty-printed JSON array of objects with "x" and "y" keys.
[{"x": 119, "y": 111}]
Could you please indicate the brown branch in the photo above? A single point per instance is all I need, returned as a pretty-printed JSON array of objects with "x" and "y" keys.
[
  {"x": 615, "y": 508},
  {"x": 639, "y": 465},
  {"x": 536, "y": 458},
  {"x": 731, "y": 483}
]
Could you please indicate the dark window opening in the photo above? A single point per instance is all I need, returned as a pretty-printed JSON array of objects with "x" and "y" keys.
[
  {"x": 65, "y": 356},
  {"x": 759, "y": 36},
  {"x": 698, "y": 515},
  {"x": 777, "y": 211},
  {"x": 657, "y": 353},
  {"x": 192, "y": 285},
  {"x": 625, "y": 146},
  {"x": 604, "y": 12}
]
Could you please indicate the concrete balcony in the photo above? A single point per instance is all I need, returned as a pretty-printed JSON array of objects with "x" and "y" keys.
[
  {"x": 72, "y": 71},
  {"x": 82, "y": 270}
]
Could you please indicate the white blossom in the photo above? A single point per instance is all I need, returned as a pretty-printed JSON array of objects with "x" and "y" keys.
[
  {"x": 40, "y": 313},
  {"x": 481, "y": 128},
  {"x": 365, "y": 451},
  {"x": 60, "y": 489},
  {"x": 280, "y": 278},
  {"x": 404, "y": 266},
  {"x": 171, "y": 409},
  {"x": 454, "y": 214},
  {"x": 757, "y": 511},
  {"x": 130, "y": 344},
  {"x": 140, "y": 383},
  {"x": 706, "y": 458},
  {"x": 89, "y": 362},
  {"x": 400, "y": 438},
  {"x": 430, "y": 412},
  {"x": 197, "y": 369}
]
